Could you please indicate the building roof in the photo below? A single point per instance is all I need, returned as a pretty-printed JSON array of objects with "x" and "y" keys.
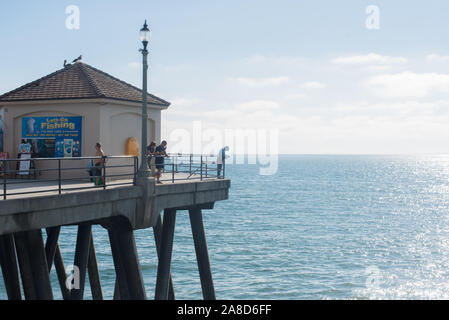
[{"x": 79, "y": 81}]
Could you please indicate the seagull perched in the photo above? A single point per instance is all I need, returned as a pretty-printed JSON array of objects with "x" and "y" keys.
[
  {"x": 77, "y": 59},
  {"x": 65, "y": 62}
]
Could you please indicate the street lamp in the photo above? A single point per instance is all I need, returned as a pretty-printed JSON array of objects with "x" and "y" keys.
[
  {"x": 145, "y": 38},
  {"x": 145, "y": 35}
]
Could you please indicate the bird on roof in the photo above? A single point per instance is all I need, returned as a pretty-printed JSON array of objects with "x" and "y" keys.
[
  {"x": 77, "y": 59},
  {"x": 66, "y": 64}
]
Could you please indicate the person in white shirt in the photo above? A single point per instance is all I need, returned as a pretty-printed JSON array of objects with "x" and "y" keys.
[{"x": 221, "y": 156}]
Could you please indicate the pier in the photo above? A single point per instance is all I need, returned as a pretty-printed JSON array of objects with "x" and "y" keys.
[{"x": 124, "y": 203}]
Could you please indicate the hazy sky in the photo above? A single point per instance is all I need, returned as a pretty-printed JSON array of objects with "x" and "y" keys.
[{"x": 311, "y": 69}]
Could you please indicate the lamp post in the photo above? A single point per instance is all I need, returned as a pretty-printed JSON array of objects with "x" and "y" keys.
[{"x": 145, "y": 38}]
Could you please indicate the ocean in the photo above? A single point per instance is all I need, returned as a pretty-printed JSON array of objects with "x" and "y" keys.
[{"x": 322, "y": 227}]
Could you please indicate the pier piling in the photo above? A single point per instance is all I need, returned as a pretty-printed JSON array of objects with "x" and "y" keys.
[
  {"x": 94, "y": 274},
  {"x": 163, "y": 269},
  {"x": 126, "y": 261},
  {"x": 202, "y": 256},
  {"x": 60, "y": 271},
  {"x": 33, "y": 265},
  {"x": 9, "y": 267},
  {"x": 51, "y": 244},
  {"x": 81, "y": 257},
  {"x": 157, "y": 230},
  {"x": 116, "y": 290}
]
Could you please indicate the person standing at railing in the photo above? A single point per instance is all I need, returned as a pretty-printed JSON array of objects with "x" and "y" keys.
[
  {"x": 221, "y": 156},
  {"x": 98, "y": 165},
  {"x": 23, "y": 166},
  {"x": 24, "y": 147},
  {"x": 160, "y": 153},
  {"x": 151, "y": 149}
]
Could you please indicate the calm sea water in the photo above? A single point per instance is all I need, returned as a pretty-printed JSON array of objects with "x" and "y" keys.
[{"x": 323, "y": 227}]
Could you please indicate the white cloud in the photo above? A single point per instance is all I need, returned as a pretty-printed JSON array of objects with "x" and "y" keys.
[
  {"x": 437, "y": 58},
  {"x": 257, "y": 106},
  {"x": 185, "y": 102},
  {"x": 134, "y": 65},
  {"x": 371, "y": 58},
  {"x": 294, "y": 96},
  {"x": 261, "y": 82},
  {"x": 256, "y": 58},
  {"x": 344, "y": 120},
  {"x": 408, "y": 84},
  {"x": 251, "y": 114},
  {"x": 313, "y": 85},
  {"x": 400, "y": 109},
  {"x": 290, "y": 61},
  {"x": 378, "y": 68}
]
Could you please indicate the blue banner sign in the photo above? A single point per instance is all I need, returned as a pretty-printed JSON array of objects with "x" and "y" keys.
[{"x": 53, "y": 136}]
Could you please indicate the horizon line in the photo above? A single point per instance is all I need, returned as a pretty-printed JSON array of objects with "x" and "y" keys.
[{"x": 344, "y": 154}]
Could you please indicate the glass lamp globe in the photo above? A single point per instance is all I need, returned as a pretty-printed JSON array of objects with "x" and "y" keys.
[{"x": 145, "y": 33}]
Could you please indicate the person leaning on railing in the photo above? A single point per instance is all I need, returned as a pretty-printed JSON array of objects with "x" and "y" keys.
[
  {"x": 98, "y": 165},
  {"x": 151, "y": 149},
  {"x": 160, "y": 153},
  {"x": 221, "y": 156}
]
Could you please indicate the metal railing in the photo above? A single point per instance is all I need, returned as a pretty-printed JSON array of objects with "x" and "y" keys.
[
  {"x": 58, "y": 175},
  {"x": 178, "y": 166}
]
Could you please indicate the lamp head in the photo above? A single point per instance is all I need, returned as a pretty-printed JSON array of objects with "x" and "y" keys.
[{"x": 145, "y": 35}]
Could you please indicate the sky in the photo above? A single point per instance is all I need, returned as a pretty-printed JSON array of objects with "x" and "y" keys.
[{"x": 313, "y": 71}]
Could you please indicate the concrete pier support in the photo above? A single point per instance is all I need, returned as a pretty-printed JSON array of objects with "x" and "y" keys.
[
  {"x": 9, "y": 267},
  {"x": 60, "y": 271},
  {"x": 51, "y": 244},
  {"x": 81, "y": 257},
  {"x": 166, "y": 247},
  {"x": 94, "y": 274},
  {"x": 116, "y": 290},
  {"x": 53, "y": 254},
  {"x": 33, "y": 265},
  {"x": 126, "y": 260},
  {"x": 157, "y": 230},
  {"x": 202, "y": 256}
]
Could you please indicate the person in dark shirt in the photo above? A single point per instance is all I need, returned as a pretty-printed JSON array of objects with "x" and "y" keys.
[
  {"x": 99, "y": 164},
  {"x": 151, "y": 149},
  {"x": 160, "y": 153}
]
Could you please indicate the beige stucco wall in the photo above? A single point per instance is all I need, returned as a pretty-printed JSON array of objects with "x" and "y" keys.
[{"x": 118, "y": 123}]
